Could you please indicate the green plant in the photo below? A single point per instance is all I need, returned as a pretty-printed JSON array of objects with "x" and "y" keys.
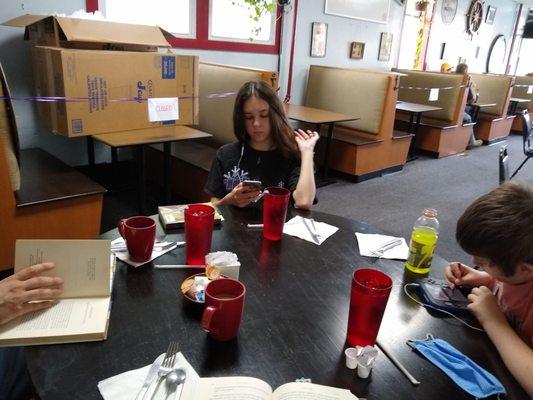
[{"x": 257, "y": 9}]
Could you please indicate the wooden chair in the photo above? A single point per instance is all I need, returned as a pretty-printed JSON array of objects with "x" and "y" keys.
[
  {"x": 527, "y": 137},
  {"x": 42, "y": 198}
]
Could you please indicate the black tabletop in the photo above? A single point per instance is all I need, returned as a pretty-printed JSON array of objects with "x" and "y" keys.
[{"x": 294, "y": 323}]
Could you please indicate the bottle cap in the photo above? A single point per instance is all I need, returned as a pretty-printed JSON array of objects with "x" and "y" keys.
[{"x": 430, "y": 212}]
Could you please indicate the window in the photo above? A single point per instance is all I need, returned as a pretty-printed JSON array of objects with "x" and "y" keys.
[
  {"x": 200, "y": 24},
  {"x": 177, "y": 17}
]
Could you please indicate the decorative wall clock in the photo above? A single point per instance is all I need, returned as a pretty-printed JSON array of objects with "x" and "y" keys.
[
  {"x": 474, "y": 17},
  {"x": 448, "y": 11}
]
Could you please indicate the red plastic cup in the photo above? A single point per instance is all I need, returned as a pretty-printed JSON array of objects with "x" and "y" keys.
[
  {"x": 275, "y": 203},
  {"x": 139, "y": 234},
  {"x": 370, "y": 293},
  {"x": 199, "y": 220},
  {"x": 224, "y": 300}
]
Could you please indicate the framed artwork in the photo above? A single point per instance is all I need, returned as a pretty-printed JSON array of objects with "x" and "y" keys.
[
  {"x": 491, "y": 12},
  {"x": 357, "y": 50},
  {"x": 319, "y": 37},
  {"x": 385, "y": 46}
]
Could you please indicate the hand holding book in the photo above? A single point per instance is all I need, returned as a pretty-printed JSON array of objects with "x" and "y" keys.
[{"x": 22, "y": 292}]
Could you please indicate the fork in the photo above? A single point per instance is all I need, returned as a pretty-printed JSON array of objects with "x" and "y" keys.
[{"x": 164, "y": 369}]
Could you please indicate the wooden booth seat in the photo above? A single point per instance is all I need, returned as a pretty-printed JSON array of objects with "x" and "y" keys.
[
  {"x": 520, "y": 91},
  {"x": 191, "y": 160},
  {"x": 441, "y": 132},
  {"x": 493, "y": 122},
  {"x": 42, "y": 198},
  {"x": 366, "y": 147}
]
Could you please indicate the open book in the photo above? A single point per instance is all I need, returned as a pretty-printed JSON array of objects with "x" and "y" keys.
[
  {"x": 172, "y": 217},
  {"x": 245, "y": 388},
  {"x": 82, "y": 312}
]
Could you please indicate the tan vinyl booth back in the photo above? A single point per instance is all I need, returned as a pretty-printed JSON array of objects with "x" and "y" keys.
[
  {"x": 493, "y": 89},
  {"x": 447, "y": 100},
  {"x": 522, "y": 85},
  {"x": 351, "y": 92},
  {"x": 216, "y": 113},
  {"x": 6, "y": 135}
]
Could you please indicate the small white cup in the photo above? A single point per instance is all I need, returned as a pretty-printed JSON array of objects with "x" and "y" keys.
[
  {"x": 363, "y": 371},
  {"x": 351, "y": 357}
]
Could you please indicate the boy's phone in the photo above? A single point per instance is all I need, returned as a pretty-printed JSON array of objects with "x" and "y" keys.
[
  {"x": 438, "y": 294},
  {"x": 253, "y": 185}
]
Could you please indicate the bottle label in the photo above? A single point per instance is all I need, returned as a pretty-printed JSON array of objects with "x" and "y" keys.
[{"x": 420, "y": 256}]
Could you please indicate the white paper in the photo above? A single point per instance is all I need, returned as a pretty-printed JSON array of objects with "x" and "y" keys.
[
  {"x": 369, "y": 243},
  {"x": 530, "y": 89},
  {"x": 163, "y": 109},
  {"x": 433, "y": 94},
  {"x": 125, "y": 386},
  {"x": 296, "y": 227},
  {"x": 125, "y": 256}
]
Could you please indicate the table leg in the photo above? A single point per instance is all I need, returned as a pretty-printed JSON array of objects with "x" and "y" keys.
[
  {"x": 114, "y": 166},
  {"x": 512, "y": 107},
  {"x": 166, "y": 171},
  {"x": 90, "y": 155},
  {"x": 413, "y": 129},
  {"x": 141, "y": 172},
  {"x": 475, "y": 114},
  {"x": 326, "y": 155}
]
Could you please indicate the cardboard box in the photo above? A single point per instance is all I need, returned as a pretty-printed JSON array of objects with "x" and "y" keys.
[
  {"x": 47, "y": 30},
  {"x": 107, "y": 91}
]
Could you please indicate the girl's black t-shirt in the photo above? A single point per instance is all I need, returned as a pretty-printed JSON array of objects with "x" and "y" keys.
[{"x": 230, "y": 168}]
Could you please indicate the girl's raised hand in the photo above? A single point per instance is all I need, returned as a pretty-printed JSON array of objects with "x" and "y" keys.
[{"x": 306, "y": 140}]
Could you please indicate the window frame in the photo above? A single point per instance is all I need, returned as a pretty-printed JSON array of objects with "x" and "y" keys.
[{"x": 202, "y": 41}]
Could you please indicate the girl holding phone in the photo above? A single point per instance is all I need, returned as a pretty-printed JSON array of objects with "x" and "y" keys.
[{"x": 268, "y": 150}]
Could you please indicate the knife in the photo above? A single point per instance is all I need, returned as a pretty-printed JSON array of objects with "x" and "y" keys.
[
  {"x": 314, "y": 235},
  {"x": 152, "y": 374}
]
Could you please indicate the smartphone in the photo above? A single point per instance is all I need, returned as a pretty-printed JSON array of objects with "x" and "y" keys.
[
  {"x": 253, "y": 185},
  {"x": 438, "y": 294}
]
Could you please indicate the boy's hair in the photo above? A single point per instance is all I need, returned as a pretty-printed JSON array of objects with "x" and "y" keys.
[
  {"x": 499, "y": 226},
  {"x": 280, "y": 129}
]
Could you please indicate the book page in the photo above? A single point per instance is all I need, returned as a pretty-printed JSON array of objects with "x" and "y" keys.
[
  {"x": 311, "y": 391},
  {"x": 83, "y": 264},
  {"x": 84, "y": 316},
  {"x": 232, "y": 388}
]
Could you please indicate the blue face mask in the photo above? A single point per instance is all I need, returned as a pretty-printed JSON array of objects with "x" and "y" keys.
[{"x": 462, "y": 370}]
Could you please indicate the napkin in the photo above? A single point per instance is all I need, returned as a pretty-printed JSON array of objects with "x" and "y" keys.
[
  {"x": 302, "y": 228},
  {"x": 372, "y": 242},
  {"x": 125, "y": 256},
  {"x": 125, "y": 386}
]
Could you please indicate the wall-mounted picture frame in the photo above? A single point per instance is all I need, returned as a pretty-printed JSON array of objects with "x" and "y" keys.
[
  {"x": 319, "y": 36},
  {"x": 357, "y": 50},
  {"x": 491, "y": 13},
  {"x": 385, "y": 46}
]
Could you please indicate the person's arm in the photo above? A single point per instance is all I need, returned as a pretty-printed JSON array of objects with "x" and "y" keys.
[
  {"x": 458, "y": 274},
  {"x": 305, "y": 191},
  {"x": 240, "y": 196},
  {"x": 517, "y": 355},
  {"x": 19, "y": 291}
]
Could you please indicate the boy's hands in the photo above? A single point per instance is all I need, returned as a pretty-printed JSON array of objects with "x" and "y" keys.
[
  {"x": 485, "y": 306},
  {"x": 458, "y": 274}
]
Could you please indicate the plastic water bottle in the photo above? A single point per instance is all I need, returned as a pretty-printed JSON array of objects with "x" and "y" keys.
[{"x": 423, "y": 241}]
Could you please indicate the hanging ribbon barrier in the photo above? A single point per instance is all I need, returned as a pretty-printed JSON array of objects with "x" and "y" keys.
[{"x": 61, "y": 99}]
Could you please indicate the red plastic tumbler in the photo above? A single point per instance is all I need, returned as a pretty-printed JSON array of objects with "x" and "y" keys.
[
  {"x": 370, "y": 292},
  {"x": 199, "y": 219},
  {"x": 275, "y": 203}
]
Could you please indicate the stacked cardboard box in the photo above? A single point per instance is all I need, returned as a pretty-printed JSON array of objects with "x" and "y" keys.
[{"x": 98, "y": 90}]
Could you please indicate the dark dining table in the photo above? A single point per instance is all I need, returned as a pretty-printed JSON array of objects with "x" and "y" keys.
[{"x": 294, "y": 323}]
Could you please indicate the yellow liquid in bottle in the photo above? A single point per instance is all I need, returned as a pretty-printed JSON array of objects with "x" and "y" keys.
[{"x": 423, "y": 241}]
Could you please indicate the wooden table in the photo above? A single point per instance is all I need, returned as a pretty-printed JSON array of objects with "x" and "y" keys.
[
  {"x": 415, "y": 111},
  {"x": 318, "y": 117},
  {"x": 139, "y": 139},
  {"x": 294, "y": 324},
  {"x": 513, "y": 103}
]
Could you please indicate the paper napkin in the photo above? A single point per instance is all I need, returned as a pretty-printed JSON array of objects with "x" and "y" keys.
[
  {"x": 125, "y": 386},
  {"x": 369, "y": 243},
  {"x": 125, "y": 256},
  {"x": 306, "y": 229}
]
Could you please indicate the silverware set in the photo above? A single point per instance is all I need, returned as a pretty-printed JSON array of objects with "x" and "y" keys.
[
  {"x": 311, "y": 228},
  {"x": 163, "y": 370},
  {"x": 386, "y": 246}
]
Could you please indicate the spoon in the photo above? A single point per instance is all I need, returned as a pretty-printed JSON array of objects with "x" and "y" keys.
[{"x": 174, "y": 380}]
